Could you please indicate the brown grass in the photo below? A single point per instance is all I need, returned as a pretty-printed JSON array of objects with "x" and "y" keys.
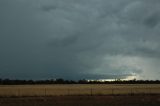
[{"x": 78, "y": 89}]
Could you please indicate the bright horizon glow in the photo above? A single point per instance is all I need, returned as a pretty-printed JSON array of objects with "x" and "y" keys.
[{"x": 132, "y": 77}]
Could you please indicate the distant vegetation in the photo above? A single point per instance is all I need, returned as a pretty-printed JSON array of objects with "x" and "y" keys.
[{"x": 62, "y": 81}]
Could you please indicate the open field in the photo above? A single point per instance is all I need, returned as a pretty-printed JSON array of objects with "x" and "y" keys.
[
  {"x": 121, "y": 100},
  {"x": 78, "y": 89}
]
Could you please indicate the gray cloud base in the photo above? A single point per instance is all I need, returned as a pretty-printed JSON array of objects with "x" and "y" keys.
[{"x": 76, "y": 39}]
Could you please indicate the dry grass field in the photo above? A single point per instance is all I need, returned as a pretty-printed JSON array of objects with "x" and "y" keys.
[{"x": 77, "y": 89}]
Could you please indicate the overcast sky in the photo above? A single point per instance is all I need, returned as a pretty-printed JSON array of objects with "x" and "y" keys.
[{"x": 77, "y": 39}]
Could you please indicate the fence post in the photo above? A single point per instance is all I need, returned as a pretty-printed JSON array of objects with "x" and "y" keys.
[
  {"x": 112, "y": 91},
  {"x": 68, "y": 92},
  {"x": 150, "y": 91},
  {"x": 91, "y": 92},
  {"x": 45, "y": 94},
  {"x": 132, "y": 93},
  {"x": 19, "y": 92}
]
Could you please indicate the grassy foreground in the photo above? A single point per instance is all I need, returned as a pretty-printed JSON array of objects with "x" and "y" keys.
[{"x": 121, "y": 100}]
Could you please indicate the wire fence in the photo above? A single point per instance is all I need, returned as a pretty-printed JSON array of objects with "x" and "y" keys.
[{"x": 75, "y": 91}]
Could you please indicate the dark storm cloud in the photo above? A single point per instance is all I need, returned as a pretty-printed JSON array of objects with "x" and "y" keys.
[
  {"x": 152, "y": 20},
  {"x": 77, "y": 39},
  {"x": 63, "y": 42},
  {"x": 48, "y": 8}
]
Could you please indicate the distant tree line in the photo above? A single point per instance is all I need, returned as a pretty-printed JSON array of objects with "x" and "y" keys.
[{"x": 62, "y": 81}]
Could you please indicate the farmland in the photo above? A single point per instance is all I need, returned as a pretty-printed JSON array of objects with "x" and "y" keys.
[
  {"x": 77, "y": 89},
  {"x": 80, "y": 94}
]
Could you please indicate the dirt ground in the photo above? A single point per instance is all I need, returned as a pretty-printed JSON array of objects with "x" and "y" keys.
[{"x": 121, "y": 100}]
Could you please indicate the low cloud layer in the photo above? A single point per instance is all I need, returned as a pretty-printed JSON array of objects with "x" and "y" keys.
[{"x": 76, "y": 39}]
